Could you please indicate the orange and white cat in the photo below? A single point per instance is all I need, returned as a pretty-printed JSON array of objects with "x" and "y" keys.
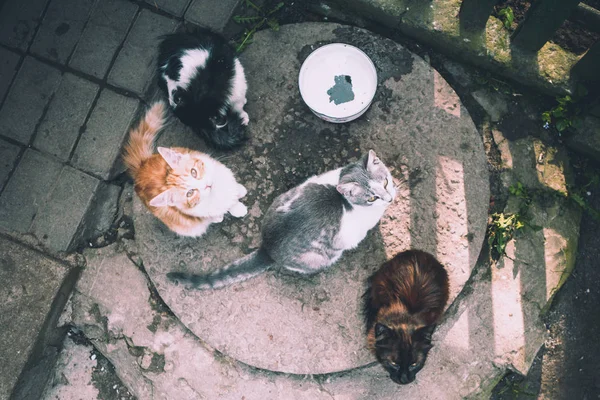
[{"x": 186, "y": 189}]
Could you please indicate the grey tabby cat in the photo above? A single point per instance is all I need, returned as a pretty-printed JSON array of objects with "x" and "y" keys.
[{"x": 307, "y": 228}]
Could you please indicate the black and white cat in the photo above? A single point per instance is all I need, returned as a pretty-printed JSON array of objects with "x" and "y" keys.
[
  {"x": 307, "y": 228},
  {"x": 205, "y": 84}
]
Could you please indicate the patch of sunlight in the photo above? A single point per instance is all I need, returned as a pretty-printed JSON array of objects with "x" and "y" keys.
[
  {"x": 550, "y": 167},
  {"x": 395, "y": 224},
  {"x": 444, "y": 15},
  {"x": 451, "y": 220},
  {"x": 555, "y": 246},
  {"x": 497, "y": 41},
  {"x": 503, "y": 148},
  {"x": 458, "y": 335},
  {"x": 509, "y": 325},
  {"x": 444, "y": 97}
]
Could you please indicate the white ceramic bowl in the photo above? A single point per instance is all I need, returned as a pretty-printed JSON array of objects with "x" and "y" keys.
[{"x": 326, "y": 88}]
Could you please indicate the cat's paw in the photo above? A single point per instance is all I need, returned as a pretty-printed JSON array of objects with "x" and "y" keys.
[
  {"x": 245, "y": 118},
  {"x": 216, "y": 220},
  {"x": 242, "y": 191},
  {"x": 239, "y": 210}
]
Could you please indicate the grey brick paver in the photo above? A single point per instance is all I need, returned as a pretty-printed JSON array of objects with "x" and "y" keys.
[
  {"x": 8, "y": 69},
  {"x": 175, "y": 7},
  {"x": 18, "y": 21},
  {"x": 56, "y": 223},
  {"x": 8, "y": 156},
  {"x": 66, "y": 114},
  {"x": 27, "y": 190},
  {"x": 135, "y": 63},
  {"x": 212, "y": 14},
  {"x": 103, "y": 34},
  {"x": 61, "y": 28},
  {"x": 100, "y": 144},
  {"x": 27, "y": 98}
]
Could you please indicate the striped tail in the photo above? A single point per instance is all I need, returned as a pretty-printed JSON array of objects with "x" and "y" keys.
[
  {"x": 240, "y": 270},
  {"x": 141, "y": 138}
]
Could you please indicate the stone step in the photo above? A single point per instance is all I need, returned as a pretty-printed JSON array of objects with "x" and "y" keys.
[{"x": 34, "y": 291}]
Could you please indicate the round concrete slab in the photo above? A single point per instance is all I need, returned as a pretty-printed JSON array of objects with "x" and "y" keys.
[{"x": 418, "y": 127}]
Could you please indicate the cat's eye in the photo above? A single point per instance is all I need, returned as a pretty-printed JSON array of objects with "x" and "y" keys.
[
  {"x": 194, "y": 173},
  {"x": 372, "y": 199},
  {"x": 190, "y": 193},
  {"x": 177, "y": 97},
  {"x": 412, "y": 366},
  {"x": 220, "y": 121}
]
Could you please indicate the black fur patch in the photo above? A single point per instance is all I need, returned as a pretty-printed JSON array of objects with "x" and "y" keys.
[{"x": 203, "y": 101}]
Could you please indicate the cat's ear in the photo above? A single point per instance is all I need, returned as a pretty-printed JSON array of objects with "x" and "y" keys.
[
  {"x": 172, "y": 157},
  {"x": 382, "y": 331},
  {"x": 348, "y": 189},
  {"x": 425, "y": 332},
  {"x": 370, "y": 159},
  {"x": 165, "y": 199}
]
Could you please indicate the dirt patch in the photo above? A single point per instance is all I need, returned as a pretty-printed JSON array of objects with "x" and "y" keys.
[{"x": 572, "y": 36}]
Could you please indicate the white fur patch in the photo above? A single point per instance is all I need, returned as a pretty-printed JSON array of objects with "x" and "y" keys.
[
  {"x": 326, "y": 178},
  {"x": 239, "y": 86},
  {"x": 356, "y": 223},
  {"x": 223, "y": 194},
  {"x": 191, "y": 61}
]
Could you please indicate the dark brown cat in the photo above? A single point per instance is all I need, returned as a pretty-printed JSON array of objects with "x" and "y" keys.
[{"x": 404, "y": 301}]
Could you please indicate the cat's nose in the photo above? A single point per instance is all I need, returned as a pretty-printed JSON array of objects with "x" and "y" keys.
[{"x": 404, "y": 379}]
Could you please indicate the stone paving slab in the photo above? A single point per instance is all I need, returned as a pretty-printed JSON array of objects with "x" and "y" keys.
[
  {"x": 103, "y": 34},
  {"x": 19, "y": 21},
  {"x": 65, "y": 117},
  {"x": 100, "y": 144},
  {"x": 8, "y": 69},
  {"x": 175, "y": 7},
  {"x": 27, "y": 191},
  {"x": 136, "y": 62},
  {"x": 416, "y": 125},
  {"x": 212, "y": 14},
  {"x": 8, "y": 155},
  {"x": 73, "y": 191},
  {"x": 56, "y": 203},
  {"x": 34, "y": 85},
  {"x": 61, "y": 28},
  {"x": 30, "y": 282}
]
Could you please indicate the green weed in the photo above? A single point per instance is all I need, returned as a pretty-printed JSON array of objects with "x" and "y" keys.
[
  {"x": 520, "y": 191},
  {"x": 254, "y": 22},
  {"x": 501, "y": 231},
  {"x": 507, "y": 16},
  {"x": 562, "y": 116}
]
